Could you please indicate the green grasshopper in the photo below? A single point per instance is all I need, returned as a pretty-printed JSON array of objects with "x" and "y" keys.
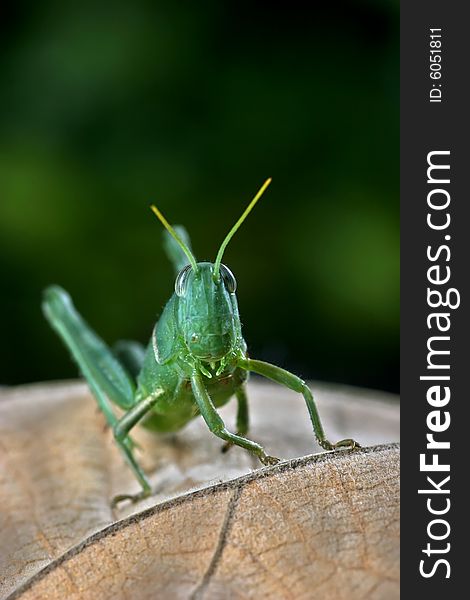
[{"x": 195, "y": 361}]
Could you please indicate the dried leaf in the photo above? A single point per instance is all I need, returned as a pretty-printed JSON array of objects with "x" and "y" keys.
[{"x": 323, "y": 526}]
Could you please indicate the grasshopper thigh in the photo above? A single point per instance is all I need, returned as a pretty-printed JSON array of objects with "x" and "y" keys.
[{"x": 103, "y": 372}]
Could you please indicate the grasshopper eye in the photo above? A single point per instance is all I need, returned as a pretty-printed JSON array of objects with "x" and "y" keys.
[
  {"x": 181, "y": 280},
  {"x": 228, "y": 278}
]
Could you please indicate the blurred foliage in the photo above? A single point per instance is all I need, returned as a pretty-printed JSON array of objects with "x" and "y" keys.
[{"x": 107, "y": 107}]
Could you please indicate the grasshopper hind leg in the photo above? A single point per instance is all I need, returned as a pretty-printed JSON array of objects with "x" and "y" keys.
[
  {"x": 107, "y": 378},
  {"x": 131, "y": 355}
]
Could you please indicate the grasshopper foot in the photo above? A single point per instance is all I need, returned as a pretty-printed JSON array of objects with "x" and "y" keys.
[
  {"x": 269, "y": 460},
  {"x": 226, "y": 447},
  {"x": 347, "y": 443},
  {"x": 133, "y": 498}
]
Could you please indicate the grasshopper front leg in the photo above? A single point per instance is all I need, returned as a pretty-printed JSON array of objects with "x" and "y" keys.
[
  {"x": 297, "y": 385},
  {"x": 243, "y": 419},
  {"x": 217, "y": 426}
]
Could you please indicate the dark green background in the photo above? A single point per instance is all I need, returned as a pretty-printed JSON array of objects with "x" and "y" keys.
[{"x": 107, "y": 107}]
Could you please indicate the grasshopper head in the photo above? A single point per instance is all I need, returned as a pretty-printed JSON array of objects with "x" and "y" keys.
[{"x": 207, "y": 311}]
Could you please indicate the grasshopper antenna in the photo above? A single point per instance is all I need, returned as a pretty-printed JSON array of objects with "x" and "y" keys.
[
  {"x": 236, "y": 226},
  {"x": 176, "y": 237}
]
